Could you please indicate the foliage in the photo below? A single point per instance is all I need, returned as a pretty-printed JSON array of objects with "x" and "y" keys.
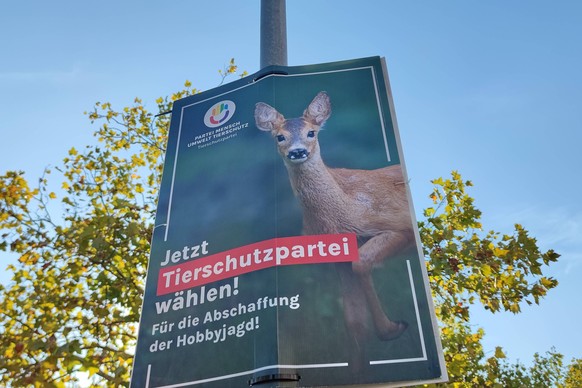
[
  {"x": 546, "y": 371},
  {"x": 497, "y": 270},
  {"x": 500, "y": 271},
  {"x": 74, "y": 301},
  {"x": 574, "y": 374}
]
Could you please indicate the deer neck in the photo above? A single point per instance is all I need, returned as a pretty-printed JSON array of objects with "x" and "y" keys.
[{"x": 319, "y": 194}]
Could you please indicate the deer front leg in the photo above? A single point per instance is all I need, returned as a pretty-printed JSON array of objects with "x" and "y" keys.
[
  {"x": 373, "y": 252},
  {"x": 378, "y": 248},
  {"x": 386, "y": 329}
]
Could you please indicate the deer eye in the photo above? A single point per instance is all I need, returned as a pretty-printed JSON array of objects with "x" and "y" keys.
[
  {"x": 311, "y": 134},
  {"x": 280, "y": 138}
]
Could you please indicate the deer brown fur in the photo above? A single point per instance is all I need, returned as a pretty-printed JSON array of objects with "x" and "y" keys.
[{"x": 369, "y": 203}]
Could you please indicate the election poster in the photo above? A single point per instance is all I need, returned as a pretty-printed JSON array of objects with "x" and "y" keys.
[{"x": 285, "y": 246}]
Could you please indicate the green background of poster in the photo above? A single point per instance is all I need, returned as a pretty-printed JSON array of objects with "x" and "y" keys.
[{"x": 237, "y": 192}]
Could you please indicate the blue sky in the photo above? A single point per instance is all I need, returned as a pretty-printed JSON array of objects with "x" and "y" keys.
[{"x": 492, "y": 89}]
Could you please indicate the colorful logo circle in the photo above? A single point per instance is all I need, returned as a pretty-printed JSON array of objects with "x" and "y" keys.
[{"x": 219, "y": 113}]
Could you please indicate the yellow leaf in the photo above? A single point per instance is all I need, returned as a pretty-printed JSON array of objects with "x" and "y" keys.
[
  {"x": 92, "y": 370},
  {"x": 52, "y": 195},
  {"x": 546, "y": 282}
]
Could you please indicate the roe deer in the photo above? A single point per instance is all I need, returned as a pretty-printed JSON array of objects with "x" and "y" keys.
[{"x": 369, "y": 203}]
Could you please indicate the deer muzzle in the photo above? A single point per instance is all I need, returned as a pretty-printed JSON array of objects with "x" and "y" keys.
[{"x": 298, "y": 155}]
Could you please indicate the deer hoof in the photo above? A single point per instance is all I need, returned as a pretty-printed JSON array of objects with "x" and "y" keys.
[{"x": 394, "y": 331}]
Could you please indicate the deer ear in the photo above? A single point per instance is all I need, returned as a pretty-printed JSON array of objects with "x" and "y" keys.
[
  {"x": 267, "y": 118},
  {"x": 318, "y": 110}
]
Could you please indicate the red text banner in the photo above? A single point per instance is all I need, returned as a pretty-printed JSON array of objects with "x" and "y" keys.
[{"x": 313, "y": 249}]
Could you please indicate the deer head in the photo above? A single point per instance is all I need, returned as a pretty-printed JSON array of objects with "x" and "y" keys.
[{"x": 296, "y": 138}]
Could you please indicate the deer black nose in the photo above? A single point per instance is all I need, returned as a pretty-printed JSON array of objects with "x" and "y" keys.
[{"x": 300, "y": 153}]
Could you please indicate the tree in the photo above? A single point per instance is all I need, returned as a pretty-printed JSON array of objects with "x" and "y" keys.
[
  {"x": 74, "y": 302},
  {"x": 574, "y": 374},
  {"x": 500, "y": 271}
]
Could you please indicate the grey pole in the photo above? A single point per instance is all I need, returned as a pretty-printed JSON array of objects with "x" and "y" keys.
[{"x": 273, "y": 33}]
